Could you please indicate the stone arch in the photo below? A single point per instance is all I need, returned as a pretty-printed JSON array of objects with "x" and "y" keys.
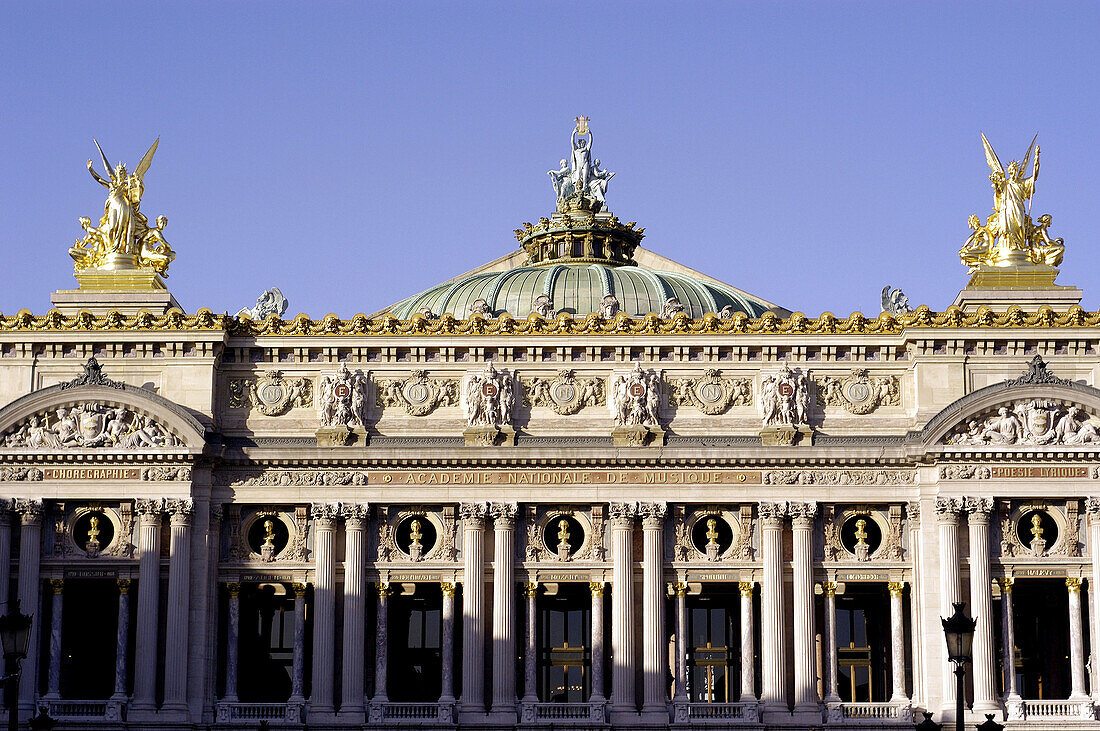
[{"x": 170, "y": 415}]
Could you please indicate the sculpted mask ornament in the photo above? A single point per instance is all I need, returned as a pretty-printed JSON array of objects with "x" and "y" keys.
[
  {"x": 566, "y": 394},
  {"x": 785, "y": 398},
  {"x": 858, "y": 393},
  {"x": 123, "y": 240},
  {"x": 271, "y": 394},
  {"x": 91, "y": 426},
  {"x": 1009, "y": 236},
  {"x": 271, "y": 302},
  {"x": 711, "y": 393},
  {"x": 343, "y": 398},
  {"x": 418, "y": 394},
  {"x": 487, "y": 398},
  {"x": 636, "y": 397}
]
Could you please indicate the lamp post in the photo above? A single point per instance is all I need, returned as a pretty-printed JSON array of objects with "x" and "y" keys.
[
  {"x": 958, "y": 630},
  {"x": 15, "y": 631}
]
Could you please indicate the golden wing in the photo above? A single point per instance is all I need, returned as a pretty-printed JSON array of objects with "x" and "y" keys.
[
  {"x": 991, "y": 157},
  {"x": 146, "y": 161},
  {"x": 1027, "y": 157}
]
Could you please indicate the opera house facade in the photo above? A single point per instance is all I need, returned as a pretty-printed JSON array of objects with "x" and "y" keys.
[{"x": 579, "y": 487}]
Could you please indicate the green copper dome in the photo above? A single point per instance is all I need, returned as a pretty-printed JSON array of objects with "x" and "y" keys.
[{"x": 579, "y": 289}]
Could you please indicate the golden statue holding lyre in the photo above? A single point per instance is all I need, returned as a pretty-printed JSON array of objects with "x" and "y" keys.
[
  {"x": 1009, "y": 236},
  {"x": 123, "y": 240}
]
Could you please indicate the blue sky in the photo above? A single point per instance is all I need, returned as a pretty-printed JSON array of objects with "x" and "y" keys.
[{"x": 355, "y": 153}]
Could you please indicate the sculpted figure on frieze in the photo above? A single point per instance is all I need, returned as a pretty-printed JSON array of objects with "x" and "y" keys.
[
  {"x": 785, "y": 397},
  {"x": 343, "y": 398},
  {"x": 636, "y": 397},
  {"x": 91, "y": 425},
  {"x": 488, "y": 397},
  {"x": 1032, "y": 421}
]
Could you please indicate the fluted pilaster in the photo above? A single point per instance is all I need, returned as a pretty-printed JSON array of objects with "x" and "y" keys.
[
  {"x": 149, "y": 514},
  {"x": 981, "y": 603},
  {"x": 473, "y": 607},
  {"x": 622, "y": 606},
  {"x": 355, "y": 609},
  {"x": 655, "y": 647},
  {"x": 947, "y": 522},
  {"x": 179, "y": 604},
  {"x": 504, "y": 608},
  {"x": 324, "y": 517},
  {"x": 773, "y": 651}
]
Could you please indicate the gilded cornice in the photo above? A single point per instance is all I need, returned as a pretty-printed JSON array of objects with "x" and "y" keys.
[{"x": 564, "y": 324}]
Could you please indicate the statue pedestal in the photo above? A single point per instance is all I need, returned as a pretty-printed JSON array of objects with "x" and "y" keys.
[
  {"x": 1028, "y": 286},
  {"x": 342, "y": 436},
  {"x": 638, "y": 436},
  {"x": 490, "y": 436},
  {"x": 127, "y": 290},
  {"x": 786, "y": 435}
]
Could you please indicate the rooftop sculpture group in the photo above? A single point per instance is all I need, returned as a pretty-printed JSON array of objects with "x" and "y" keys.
[{"x": 581, "y": 174}]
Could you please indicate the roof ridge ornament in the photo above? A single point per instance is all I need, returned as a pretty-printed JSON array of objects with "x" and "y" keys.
[
  {"x": 1037, "y": 373},
  {"x": 93, "y": 376}
]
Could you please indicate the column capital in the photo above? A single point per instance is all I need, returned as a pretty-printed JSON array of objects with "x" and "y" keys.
[
  {"x": 123, "y": 586},
  {"x": 149, "y": 510},
  {"x": 772, "y": 514},
  {"x": 1006, "y": 583},
  {"x": 180, "y": 511},
  {"x": 472, "y": 514},
  {"x": 447, "y": 588},
  {"x": 530, "y": 590},
  {"x": 622, "y": 514},
  {"x": 912, "y": 513},
  {"x": 355, "y": 515},
  {"x": 978, "y": 509},
  {"x": 1073, "y": 584},
  {"x": 324, "y": 514},
  {"x": 384, "y": 589},
  {"x": 828, "y": 588},
  {"x": 678, "y": 588},
  {"x": 746, "y": 588},
  {"x": 58, "y": 585},
  {"x": 30, "y": 511},
  {"x": 504, "y": 514},
  {"x": 802, "y": 514},
  {"x": 897, "y": 588},
  {"x": 234, "y": 588},
  {"x": 1092, "y": 507},
  {"x": 948, "y": 509},
  {"x": 597, "y": 588},
  {"x": 652, "y": 514},
  {"x": 298, "y": 588}
]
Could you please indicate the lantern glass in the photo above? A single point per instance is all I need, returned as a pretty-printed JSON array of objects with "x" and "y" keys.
[
  {"x": 15, "y": 631},
  {"x": 958, "y": 630}
]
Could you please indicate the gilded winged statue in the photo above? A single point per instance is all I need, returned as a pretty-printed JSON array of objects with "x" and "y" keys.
[
  {"x": 1009, "y": 236},
  {"x": 123, "y": 239}
]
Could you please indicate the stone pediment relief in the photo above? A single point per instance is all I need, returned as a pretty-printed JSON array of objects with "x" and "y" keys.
[
  {"x": 90, "y": 425},
  {"x": 1033, "y": 421}
]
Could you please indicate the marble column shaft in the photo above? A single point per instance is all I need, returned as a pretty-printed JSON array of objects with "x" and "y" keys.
[
  {"x": 679, "y": 590},
  {"x": 5, "y": 550},
  {"x": 598, "y": 690},
  {"x": 473, "y": 607},
  {"x": 897, "y": 641},
  {"x": 947, "y": 519},
  {"x": 655, "y": 647},
  {"x": 324, "y": 606},
  {"x": 1092, "y": 508},
  {"x": 148, "y": 546},
  {"x": 772, "y": 630},
  {"x": 297, "y": 671},
  {"x": 530, "y": 693},
  {"x": 913, "y": 552},
  {"x": 447, "y": 644},
  {"x": 622, "y": 606},
  {"x": 1076, "y": 641},
  {"x": 805, "y": 657},
  {"x": 355, "y": 616},
  {"x": 748, "y": 664},
  {"x": 232, "y": 641},
  {"x": 828, "y": 589},
  {"x": 30, "y": 554},
  {"x": 1008, "y": 639},
  {"x": 382, "y": 644},
  {"x": 53, "y": 684},
  {"x": 981, "y": 604},
  {"x": 504, "y": 607},
  {"x": 179, "y": 604},
  {"x": 122, "y": 640}
]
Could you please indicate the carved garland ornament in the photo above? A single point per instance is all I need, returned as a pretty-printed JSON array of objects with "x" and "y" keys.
[
  {"x": 838, "y": 477},
  {"x": 859, "y": 393},
  {"x": 566, "y": 394},
  {"x": 417, "y": 394},
  {"x": 270, "y": 393},
  {"x": 711, "y": 393}
]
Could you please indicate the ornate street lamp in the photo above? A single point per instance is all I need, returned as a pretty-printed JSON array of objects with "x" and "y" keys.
[
  {"x": 15, "y": 631},
  {"x": 958, "y": 629},
  {"x": 928, "y": 724},
  {"x": 990, "y": 724}
]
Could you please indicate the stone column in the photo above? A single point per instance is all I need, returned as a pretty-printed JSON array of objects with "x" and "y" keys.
[
  {"x": 473, "y": 607},
  {"x": 122, "y": 644},
  {"x": 148, "y": 546},
  {"x": 1076, "y": 645},
  {"x": 598, "y": 691},
  {"x": 1008, "y": 637},
  {"x": 828, "y": 590},
  {"x": 53, "y": 685},
  {"x": 981, "y": 604},
  {"x": 773, "y": 651},
  {"x": 805, "y": 657},
  {"x": 947, "y": 520},
  {"x": 297, "y": 672},
  {"x": 324, "y": 606},
  {"x": 748, "y": 650},
  {"x": 679, "y": 590},
  {"x": 530, "y": 694},
  {"x": 504, "y": 609},
  {"x": 447, "y": 684},
  {"x": 30, "y": 554},
  {"x": 912, "y": 516},
  {"x": 622, "y": 607},
  {"x": 355, "y": 617},
  {"x": 382, "y": 644},
  {"x": 1092, "y": 508},
  {"x": 655, "y": 647},
  {"x": 232, "y": 641},
  {"x": 897, "y": 641},
  {"x": 179, "y": 605},
  {"x": 5, "y": 550}
]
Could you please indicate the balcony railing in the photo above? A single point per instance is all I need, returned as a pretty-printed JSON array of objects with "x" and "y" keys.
[
  {"x": 1068, "y": 710},
  {"x": 563, "y": 713},
  {"x": 716, "y": 713},
  {"x": 868, "y": 712},
  {"x": 406, "y": 714},
  {"x": 88, "y": 710},
  {"x": 252, "y": 713}
]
